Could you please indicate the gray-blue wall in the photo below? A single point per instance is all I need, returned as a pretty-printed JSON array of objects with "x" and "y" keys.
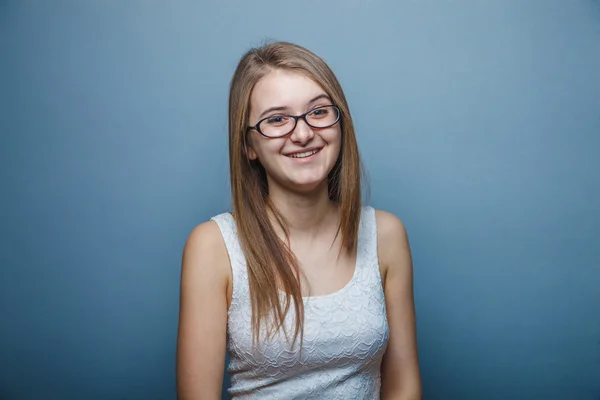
[{"x": 478, "y": 120}]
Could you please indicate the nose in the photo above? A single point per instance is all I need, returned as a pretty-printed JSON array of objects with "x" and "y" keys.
[{"x": 302, "y": 133}]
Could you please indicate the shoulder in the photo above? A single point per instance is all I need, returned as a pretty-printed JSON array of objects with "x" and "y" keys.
[
  {"x": 205, "y": 253},
  {"x": 208, "y": 235},
  {"x": 389, "y": 226},
  {"x": 203, "y": 235},
  {"x": 393, "y": 248}
]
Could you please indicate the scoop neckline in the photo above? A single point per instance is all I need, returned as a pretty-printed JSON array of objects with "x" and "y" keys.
[
  {"x": 332, "y": 294},
  {"x": 352, "y": 280},
  {"x": 357, "y": 265}
]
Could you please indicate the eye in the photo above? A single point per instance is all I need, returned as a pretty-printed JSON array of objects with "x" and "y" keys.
[
  {"x": 319, "y": 113},
  {"x": 276, "y": 120}
]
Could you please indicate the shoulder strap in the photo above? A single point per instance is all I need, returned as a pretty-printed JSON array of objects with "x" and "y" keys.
[
  {"x": 367, "y": 239},
  {"x": 228, "y": 229}
]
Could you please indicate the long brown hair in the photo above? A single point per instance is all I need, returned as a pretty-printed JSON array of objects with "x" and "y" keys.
[{"x": 271, "y": 265}]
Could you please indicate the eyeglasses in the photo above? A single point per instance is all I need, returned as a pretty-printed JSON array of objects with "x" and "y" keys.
[{"x": 280, "y": 125}]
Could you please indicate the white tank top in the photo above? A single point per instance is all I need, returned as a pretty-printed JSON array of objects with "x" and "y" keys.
[{"x": 345, "y": 333}]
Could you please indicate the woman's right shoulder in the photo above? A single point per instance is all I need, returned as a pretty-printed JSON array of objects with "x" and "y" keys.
[
  {"x": 205, "y": 250},
  {"x": 206, "y": 234}
]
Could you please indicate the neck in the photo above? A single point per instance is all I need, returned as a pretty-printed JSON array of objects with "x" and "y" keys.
[{"x": 306, "y": 214}]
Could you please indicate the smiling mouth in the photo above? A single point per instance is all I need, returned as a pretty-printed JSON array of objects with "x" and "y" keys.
[{"x": 303, "y": 154}]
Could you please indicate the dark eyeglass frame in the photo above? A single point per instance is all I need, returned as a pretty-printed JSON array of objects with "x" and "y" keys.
[{"x": 296, "y": 118}]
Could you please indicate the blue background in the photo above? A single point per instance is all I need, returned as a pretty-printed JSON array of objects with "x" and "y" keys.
[{"x": 478, "y": 121}]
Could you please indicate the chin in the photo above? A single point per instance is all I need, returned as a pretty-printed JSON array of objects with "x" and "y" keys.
[
  {"x": 307, "y": 186},
  {"x": 305, "y": 183}
]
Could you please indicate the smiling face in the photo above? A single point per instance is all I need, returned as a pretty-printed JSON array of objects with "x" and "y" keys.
[{"x": 302, "y": 160}]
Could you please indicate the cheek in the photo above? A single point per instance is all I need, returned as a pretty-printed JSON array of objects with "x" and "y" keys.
[
  {"x": 264, "y": 149},
  {"x": 334, "y": 139}
]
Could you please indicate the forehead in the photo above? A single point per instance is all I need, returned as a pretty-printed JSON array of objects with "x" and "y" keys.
[{"x": 282, "y": 88}]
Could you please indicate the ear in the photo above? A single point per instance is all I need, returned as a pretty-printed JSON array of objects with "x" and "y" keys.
[{"x": 250, "y": 153}]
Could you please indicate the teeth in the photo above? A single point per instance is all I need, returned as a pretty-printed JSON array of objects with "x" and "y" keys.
[{"x": 302, "y": 155}]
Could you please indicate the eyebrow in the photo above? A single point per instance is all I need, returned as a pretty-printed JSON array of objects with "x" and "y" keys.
[{"x": 283, "y": 108}]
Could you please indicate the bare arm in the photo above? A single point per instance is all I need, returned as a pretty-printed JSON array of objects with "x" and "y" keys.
[
  {"x": 205, "y": 276},
  {"x": 401, "y": 377}
]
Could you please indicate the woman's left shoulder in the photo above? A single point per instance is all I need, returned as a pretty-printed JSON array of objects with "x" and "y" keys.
[
  {"x": 392, "y": 240},
  {"x": 390, "y": 228}
]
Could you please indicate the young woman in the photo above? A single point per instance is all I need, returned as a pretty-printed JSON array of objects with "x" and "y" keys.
[{"x": 310, "y": 291}]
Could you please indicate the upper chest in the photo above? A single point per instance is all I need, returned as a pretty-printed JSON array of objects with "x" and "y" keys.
[{"x": 324, "y": 269}]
